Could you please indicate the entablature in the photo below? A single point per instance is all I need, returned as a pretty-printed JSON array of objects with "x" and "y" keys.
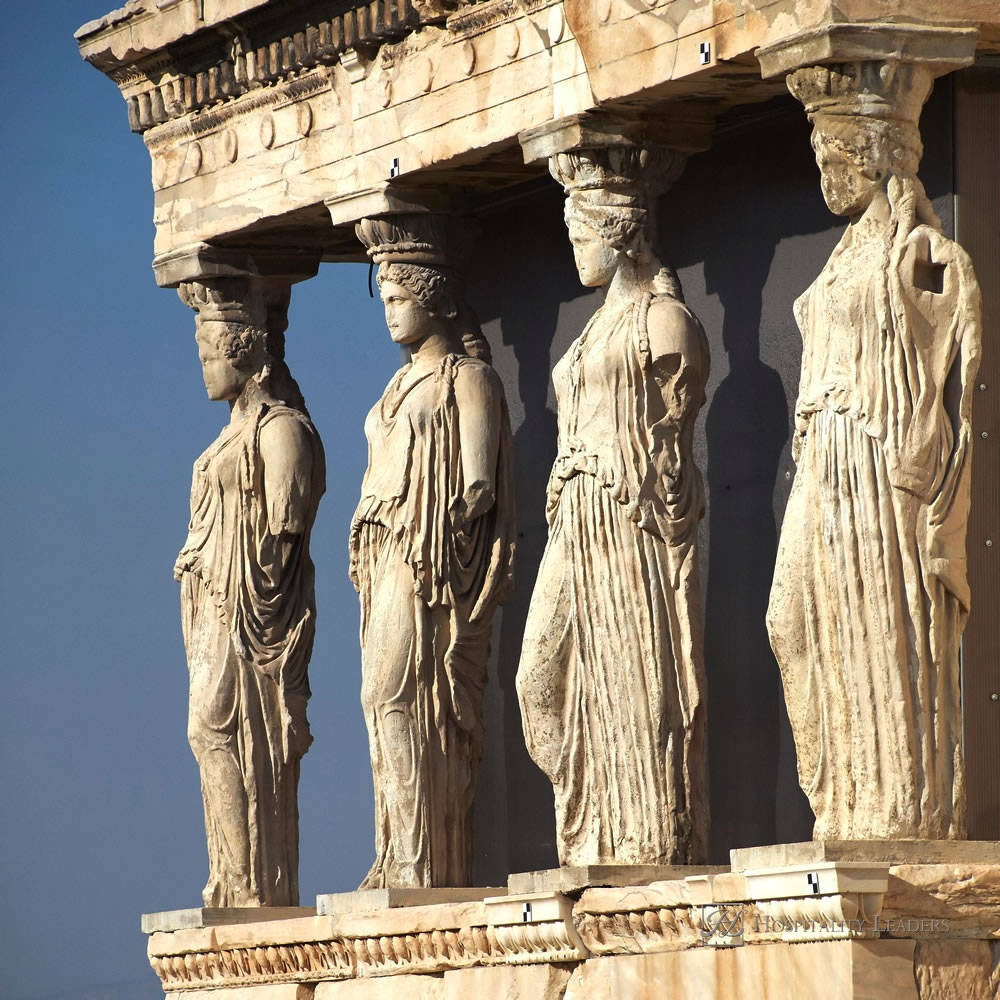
[{"x": 259, "y": 115}]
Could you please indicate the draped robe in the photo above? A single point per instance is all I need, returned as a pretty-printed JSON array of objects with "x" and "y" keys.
[
  {"x": 428, "y": 583},
  {"x": 611, "y": 679},
  {"x": 248, "y": 614},
  {"x": 870, "y": 594}
]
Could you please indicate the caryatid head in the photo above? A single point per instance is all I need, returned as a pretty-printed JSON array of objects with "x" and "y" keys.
[
  {"x": 865, "y": 130},
  {"x": 239, "y": 328},
  {"x": 610, "y": 203},
  {"x": 420, "y": 289}
]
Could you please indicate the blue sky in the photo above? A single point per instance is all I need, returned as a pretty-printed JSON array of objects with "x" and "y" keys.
[{"x": 105, "y": 413}]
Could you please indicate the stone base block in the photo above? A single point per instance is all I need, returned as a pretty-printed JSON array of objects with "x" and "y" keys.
[
  {"x": 958, "y": 970},
  {"x": 836, "y": 930},
  {"x": 271, "y": 991},
  {"x": 373, "y": 900},
  {"x": 520, "y": 982},
  {"x": 892, "y": 852},
  {"x": 384, "y": 988},
  {"x": 523, "y": 982},
  {"x": 828, "y": 970},
  {"x": 575, "y": 878},
  {"x": 217, "y": 916}
]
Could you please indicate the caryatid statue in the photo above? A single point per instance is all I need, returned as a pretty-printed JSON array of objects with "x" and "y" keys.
[
  {"x": 432, "y": 549},
  {"x": 247, "y": 594},
  {"x": 870, "y": 595},
  {"x": 611, "y": 679}
]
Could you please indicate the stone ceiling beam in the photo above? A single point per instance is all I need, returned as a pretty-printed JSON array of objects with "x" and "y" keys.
[
  {"x": 396, "y": 199},
  {"x": 941, "y": 48},
  {"x": 201, "y": 262},
  {"x": 689, "y": 133}
]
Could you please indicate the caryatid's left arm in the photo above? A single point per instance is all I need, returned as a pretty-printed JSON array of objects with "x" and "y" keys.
[
  {"x": 477, "y": 396},
  {"x": 287, "y": 456},
  {"x": 679, "y": 356}
]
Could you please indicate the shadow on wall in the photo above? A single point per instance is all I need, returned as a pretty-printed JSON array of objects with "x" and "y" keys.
[
  {"x": 524, "y": 275},
  {"x": 738, "y": 224}
]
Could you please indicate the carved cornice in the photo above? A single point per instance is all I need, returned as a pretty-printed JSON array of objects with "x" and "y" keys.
[
  {"x": 426, "y": 952},
  {"x": 345, "y": 957},
  {"x": 480, "y": 17},
  {"x": 849, "y": 915},
  {"x": 544, "y": 941},
  {"x": 212, "y": 68},
  {"x": 249, "y": 67},
  {"x": 211, "y": 119}
]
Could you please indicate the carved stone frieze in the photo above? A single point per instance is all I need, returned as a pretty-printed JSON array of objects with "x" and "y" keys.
[
  {"x": 212, "y": 119},
  {"x": 546, "y": 941},
  {"x": 819, "y": 918},
  {"x": 419, "y": 940},
  {"x": 637, "y": 932},
  {"x": 305, "y": 962},
  {"x": 823, "y": 902},
  {"x": 424, "y": 952},
  {"x": 535, "y": 927}
]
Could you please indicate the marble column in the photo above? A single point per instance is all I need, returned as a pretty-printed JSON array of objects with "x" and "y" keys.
[
  {"x": 870, "y": 594},
  {"x": 248, "y": 603},
  {"x": 611, "y": 680}
]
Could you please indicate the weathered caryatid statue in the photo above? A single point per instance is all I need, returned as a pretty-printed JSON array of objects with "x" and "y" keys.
[
  {"x": 247, "y": 595},
  {"x": 432, "y": 548},
  {"x": 611, "y": 679},
  {"x": 870, "y": 594}
]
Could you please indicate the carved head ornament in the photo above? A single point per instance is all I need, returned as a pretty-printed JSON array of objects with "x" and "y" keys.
[
  {"x": 870, "y": 110},
  {"x": 249, "y": 316},
  {"x": 610, "y": 189},
  {"x": 225, "y": 300},
  {"x": 406, "y": 239},
  {"x": 411, "y": 250}
]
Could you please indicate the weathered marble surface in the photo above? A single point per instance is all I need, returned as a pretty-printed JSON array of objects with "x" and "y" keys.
[
  {"x": 896, "y": 852},
  {"x": 198, "y": 917},
  {"x": 576, "y": 878},
  {"x": 870, "y": 594},
  {"x": 373, "y": 900},
  {"x": 611, "y": 678},
  {"x": 247, "y": 595},
  {"x": 957, "y": 970},
  {"x": 835, "y": 970},
  {"x": 432, "y": 549}
]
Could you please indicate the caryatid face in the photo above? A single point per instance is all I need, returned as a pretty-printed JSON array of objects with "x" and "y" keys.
[
  {"x": 849, "y": 179},
  {"x": 406, "y": 318},
  {"x": 596, "y": 260},
  {"x": 222, "y": 379}
]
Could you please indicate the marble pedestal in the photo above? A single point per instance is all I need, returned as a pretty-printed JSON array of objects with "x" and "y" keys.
[{"x": 810, "y": 927}]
